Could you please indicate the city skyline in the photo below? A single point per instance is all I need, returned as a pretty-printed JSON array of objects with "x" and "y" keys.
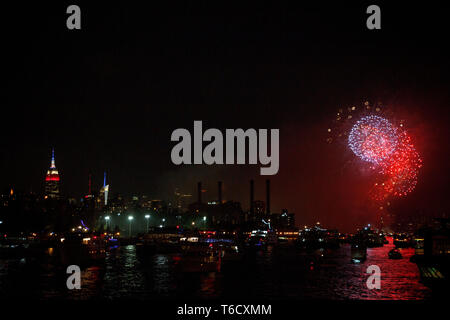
[{"x": 96, "y": 190}]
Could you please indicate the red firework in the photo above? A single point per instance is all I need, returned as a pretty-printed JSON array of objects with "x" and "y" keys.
[
  {"x": 402, "y": 168},
  {"x": 399, "y": 171},
  {"x": 383, "y": 145}
]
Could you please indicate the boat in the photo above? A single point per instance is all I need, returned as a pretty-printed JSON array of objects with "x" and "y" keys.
[
  {"x": 358, "y": 252},
  {"x": 19, "y": 246},
  {"x": 160, "y": 241},
  {"x": 230, "y": 252},
  {"x": 261, "y": 238},
  {"x": 198, "y": 258},
  {"x": 227, "y": 243},
  {"x": 112, "y": 243},
  {"x": 317, "y": 238},
  {"x": 81, "y": 249},
  {"x": 394, "y": 254},
  {"x": 373, "y": 238},
  {"x": 402, "y": 240}
]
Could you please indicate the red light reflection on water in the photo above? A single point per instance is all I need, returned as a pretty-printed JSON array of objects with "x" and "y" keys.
[{"x": 400, "y": 279}]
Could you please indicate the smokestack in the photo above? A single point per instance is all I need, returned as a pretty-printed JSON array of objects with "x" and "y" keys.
[
  {"x": 252, "y": 195},
  {"x": 219, "y": 185},
  {"x": 199, "y": 191},
  {"x": 268, "y": 196}
]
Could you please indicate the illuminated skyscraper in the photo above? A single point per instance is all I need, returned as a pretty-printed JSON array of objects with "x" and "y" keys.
[
  {"x": 52, "y": 180},
  {"x": 104, "y": 191}
]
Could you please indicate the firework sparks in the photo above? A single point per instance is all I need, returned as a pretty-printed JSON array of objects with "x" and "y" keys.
[
  {"x": 397, "y": 159},
  {"x": 373, "y": 139},
  {"x": 402, "y": 168},
  {"x": 386, "y": 149}
]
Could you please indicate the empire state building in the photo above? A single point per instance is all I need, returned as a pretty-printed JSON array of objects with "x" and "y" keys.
[{"x": 52, "y": 180}]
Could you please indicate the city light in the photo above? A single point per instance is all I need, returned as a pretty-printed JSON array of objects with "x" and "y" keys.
[
  {"x": 130, "y": 218},
  {"x": 147, "y": 216},
  {"x": 107, "y": 218}
]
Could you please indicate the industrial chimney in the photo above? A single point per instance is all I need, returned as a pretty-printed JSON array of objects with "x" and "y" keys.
[
  {"x": 219, "y": 185},
  {"x": 252, "y": 195},
  {"x": 268, "y": 196},
  {"x": 199, "y": 191}
]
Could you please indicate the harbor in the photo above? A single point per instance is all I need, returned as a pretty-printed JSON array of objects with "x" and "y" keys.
[{"x": 207, "y": 264}]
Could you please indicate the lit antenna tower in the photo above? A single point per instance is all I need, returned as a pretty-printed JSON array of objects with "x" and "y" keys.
[
  {"x": 105, "y": 189},
  {"x": 89, "y": 196},
  {"x": 52, "y": 180}
]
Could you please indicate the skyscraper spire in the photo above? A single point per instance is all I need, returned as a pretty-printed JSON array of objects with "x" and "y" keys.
[
  {"x": 104, "y": 190},
  {"x": 53, "y": 166}
]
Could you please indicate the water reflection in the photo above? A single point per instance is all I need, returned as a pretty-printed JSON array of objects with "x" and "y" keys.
[{"x": 276, "y": 273}]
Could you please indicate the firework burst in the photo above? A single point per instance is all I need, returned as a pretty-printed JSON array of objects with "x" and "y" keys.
[
  {"x": 402, "y": 168},
  {"x": 384, "y": 146},
  {"x": 373, "y": 139}
]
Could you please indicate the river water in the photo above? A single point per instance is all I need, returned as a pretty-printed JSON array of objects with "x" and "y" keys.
[{"x": 274, "y": 273}]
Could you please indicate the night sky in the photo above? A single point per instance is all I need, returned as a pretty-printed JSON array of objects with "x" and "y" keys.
[{"x": 108, "y": 97}]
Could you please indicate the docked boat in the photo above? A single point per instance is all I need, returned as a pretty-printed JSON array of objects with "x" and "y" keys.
[
  {"x": 159, "y": 242},
  {"x": 231, "y": 253},
  {"x": 112, "y": 243},
  {"x": 317, "y": 238},
  {"x": 402, "y": 240},
  {"x": 198, "y": 257},
  {"x": 20, "y": 246},
  {"x": 81, "y": 249},
  {"x": 261, "y": 238},
  {"x": 372, "y": 238},
  {"x": 229, "y": 245}
]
